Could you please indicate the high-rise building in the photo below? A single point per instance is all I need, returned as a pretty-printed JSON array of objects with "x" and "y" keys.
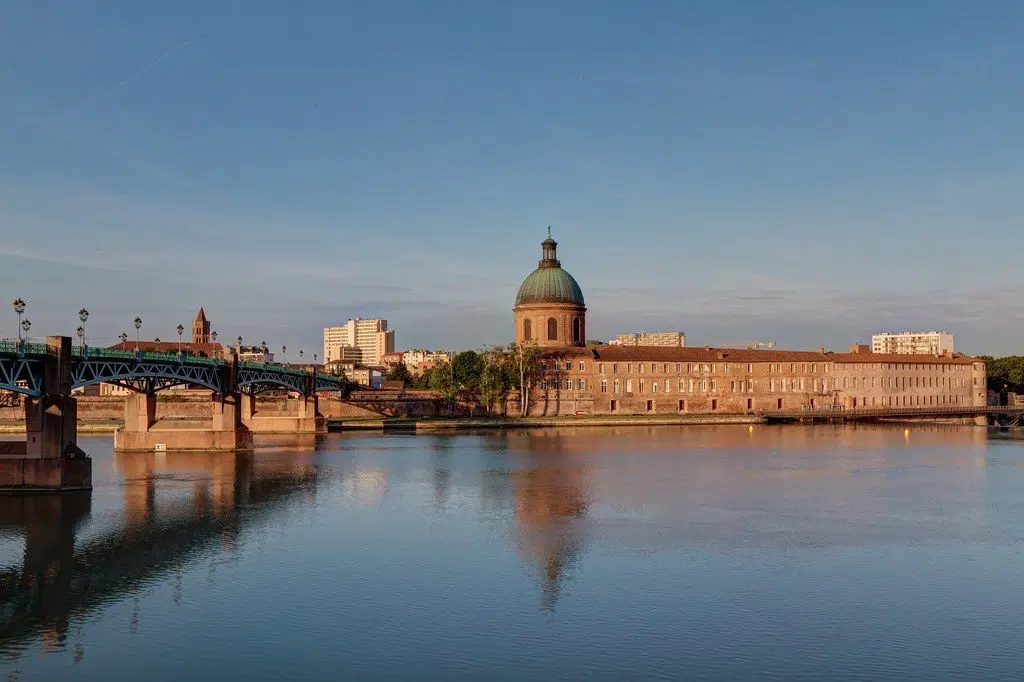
[
  {"x": 677, "y": 339},
  {"x": 371, "y": 337},
  {"x": 913, "y": 343}
]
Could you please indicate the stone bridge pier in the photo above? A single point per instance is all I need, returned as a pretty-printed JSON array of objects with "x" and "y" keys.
[
  {"x": 225, "y": 431},
  {"x": 300, "y": 415},
  {"x": 49, "y": 459}
]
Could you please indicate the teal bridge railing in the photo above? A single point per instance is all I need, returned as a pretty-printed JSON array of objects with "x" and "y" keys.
[{"x": 22, "y": 370}]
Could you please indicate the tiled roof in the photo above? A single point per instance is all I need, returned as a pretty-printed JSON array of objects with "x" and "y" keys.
[
  {"x": 955, "y": 359},
  {"x": 611, "y": 353},
  {"x": 171, "y": 347}
]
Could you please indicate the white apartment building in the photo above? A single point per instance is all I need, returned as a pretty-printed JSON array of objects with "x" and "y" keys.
[
  {"x": 371, "y": 337},
  {"x": 912, "y": 343},
  {"x": 677, "y": 339},
  {"x": 417, "y": 360}
]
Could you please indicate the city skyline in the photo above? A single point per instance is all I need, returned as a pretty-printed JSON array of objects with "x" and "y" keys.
[{"x": 743, "y": 173}]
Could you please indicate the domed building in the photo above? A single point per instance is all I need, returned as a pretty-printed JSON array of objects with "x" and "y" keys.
[{"x": 549, "y": 308}]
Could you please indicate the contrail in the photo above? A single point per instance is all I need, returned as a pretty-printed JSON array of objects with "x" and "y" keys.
[{"x": 125, "y": 81}]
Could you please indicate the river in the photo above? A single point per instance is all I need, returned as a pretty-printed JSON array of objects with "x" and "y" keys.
[{"x": 668, "y": 553}]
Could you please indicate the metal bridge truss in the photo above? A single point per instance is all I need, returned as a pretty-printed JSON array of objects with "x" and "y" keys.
[
  {"x": 257, "y": 378},
  {"x": 21, "y": 374},
  {"x": 24, "y": 372},
  {"x": 327, "y": 382},
  {"x": 144, "y": 376}
]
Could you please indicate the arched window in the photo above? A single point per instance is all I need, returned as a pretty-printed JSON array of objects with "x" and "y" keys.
[
  {"x": 575, "y": 330},
  {"x": 527, "y": 329},
  {"x": 552, "y": 329}
]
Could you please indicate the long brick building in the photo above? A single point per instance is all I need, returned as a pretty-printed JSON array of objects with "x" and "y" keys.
[{"x": 577, "y": 379}]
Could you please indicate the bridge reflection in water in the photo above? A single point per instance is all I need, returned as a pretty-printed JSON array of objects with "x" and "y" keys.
[{"x": 63, "y": 578}]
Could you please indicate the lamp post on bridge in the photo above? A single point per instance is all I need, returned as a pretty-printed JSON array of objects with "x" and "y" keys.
[
  {"x": 138, "y": 326},
  {"x": 181, "y": 330},
  {"x": 25, "y": 325},
  {"x": 264, "y": 347},
  {"x": 81, "y": 336},
  {"x": 284, "y": 354},
  {"x": 124, "y": 339},
  {"x": 83, "y": 315},
  {"x": 19, "y": 308}
]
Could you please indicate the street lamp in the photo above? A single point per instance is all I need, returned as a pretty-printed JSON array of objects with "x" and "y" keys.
[
  {"x": 300, "y": 356},
  {"x": 213, "y": 336},
  {"x": 284, "y": 354},
  {"x": 81, "y": 335},
  {"x": 314, "y": 358},
  {"x": 19, "y": 308},
  {"x": 138, "y": 325},
  {"x": 83, "y": 315},
  {"x": 263, "y": 345},
  {"x": 26, "y": 325},
  {"x": 181, "y": 330},
  {"x": 124, "y": 338}
]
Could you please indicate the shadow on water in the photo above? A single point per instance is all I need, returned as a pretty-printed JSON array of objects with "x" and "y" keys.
[{"x": 62, "y": 579}]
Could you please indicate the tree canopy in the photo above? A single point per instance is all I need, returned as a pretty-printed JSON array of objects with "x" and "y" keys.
[{"x": 1007, "y": 371}]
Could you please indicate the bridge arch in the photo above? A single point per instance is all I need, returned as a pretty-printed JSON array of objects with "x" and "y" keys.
[{"x": 146, "y": 375}]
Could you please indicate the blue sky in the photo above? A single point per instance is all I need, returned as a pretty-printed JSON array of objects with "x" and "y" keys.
[{"x": 803, "y": 172}]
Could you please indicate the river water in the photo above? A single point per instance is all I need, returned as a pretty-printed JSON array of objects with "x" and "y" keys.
[{"x": 696, "y": 553}]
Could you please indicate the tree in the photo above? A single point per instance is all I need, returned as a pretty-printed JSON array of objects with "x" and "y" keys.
[
  {"x": 467, "y": 368},
  {"x": 496, "y": 378},
  {"x": 400, "y": 373},
  {"x": 443, "y": 381},
  {"x": 1007, "y": 371},
  {"x": 524, "y": 359}
]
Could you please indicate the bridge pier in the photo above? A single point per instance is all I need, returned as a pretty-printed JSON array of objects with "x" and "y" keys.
[
  {"x": 142, "y": 433},
  {"x": 49, "y": 459},
  {"x": 301, "y": 415}
]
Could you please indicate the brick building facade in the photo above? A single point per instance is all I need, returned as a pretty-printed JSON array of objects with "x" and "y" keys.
[{"x": 612, "y": 379}]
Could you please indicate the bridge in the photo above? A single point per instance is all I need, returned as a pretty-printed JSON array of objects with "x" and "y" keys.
[
  {"x": 23, "y": 370},
  {"x": 46, "y": 374},
  {"x": 1000, "y": 415}
]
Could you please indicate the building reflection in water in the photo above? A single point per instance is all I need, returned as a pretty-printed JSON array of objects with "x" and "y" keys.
[
  {"x": 549, "y": 487},
  {"x": 58, "y": 583},
  {"x": 727, "y": 487}
]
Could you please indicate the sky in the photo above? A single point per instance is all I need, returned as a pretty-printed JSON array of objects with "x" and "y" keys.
[{"x": 792, "y": 171}]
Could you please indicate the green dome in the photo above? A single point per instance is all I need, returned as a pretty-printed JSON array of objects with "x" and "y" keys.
[{"x": 550, "y": 285}]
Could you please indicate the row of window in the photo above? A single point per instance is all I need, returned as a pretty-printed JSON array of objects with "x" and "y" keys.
[
  {"x": 552, "y": 329},
  {"x": 726, "y": 368},
  {"x": 909, "y": 400},
  {"x": 885, "y": 401},
  {"x": 907, "y": 382},
  {"x": 796, "y": 384},
  {"x": 564, "y": 384}
]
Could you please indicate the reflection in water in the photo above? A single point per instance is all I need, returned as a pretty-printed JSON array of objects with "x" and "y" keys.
[
  {"x": 770, "y": 536},
  {"x": 58, "y": 582},
  {"x": 550, "y": 509}
]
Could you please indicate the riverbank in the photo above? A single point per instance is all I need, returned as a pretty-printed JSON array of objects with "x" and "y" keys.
[
  {"x": 97, "y": 426},
  {"x": 484, "y": 423},
  {"x": 426, "y": 424}
]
